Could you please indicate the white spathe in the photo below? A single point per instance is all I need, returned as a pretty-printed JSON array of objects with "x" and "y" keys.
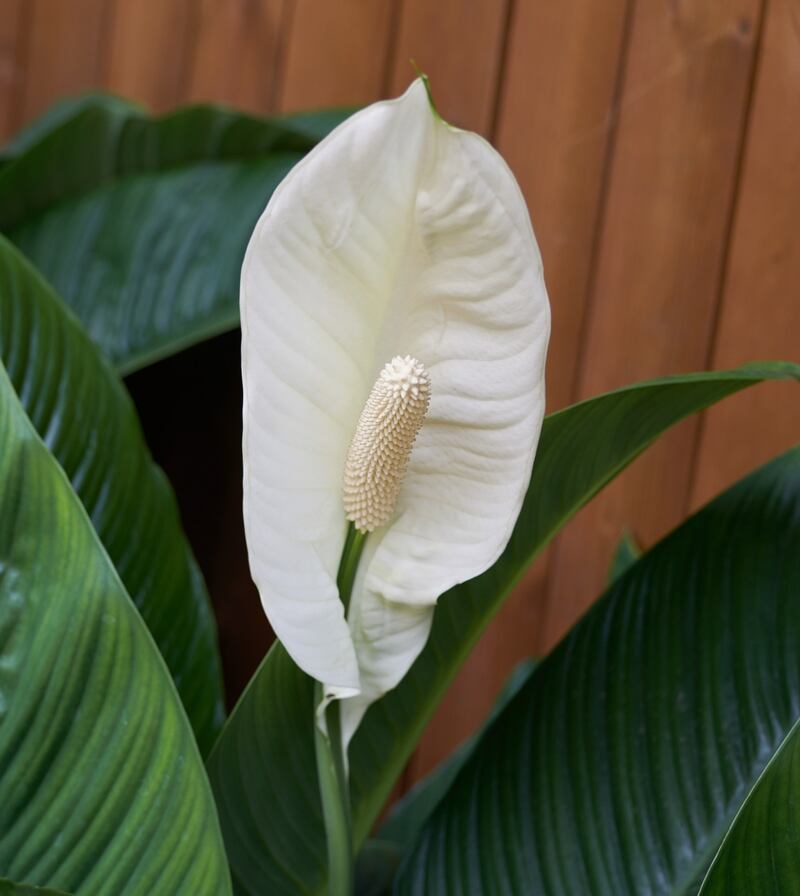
[{"x": 397, "y": 235}]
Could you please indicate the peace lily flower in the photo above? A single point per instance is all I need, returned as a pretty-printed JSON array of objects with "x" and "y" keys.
[{"x": 394, "y": 330}]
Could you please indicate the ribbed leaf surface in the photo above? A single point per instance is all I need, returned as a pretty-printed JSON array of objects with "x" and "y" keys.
[
  {"x": 266, "y": 747},
  {"x": 83, "y": 413},
  {"x": 410, "y": 814},
  {"x": 263, "y": 771},
  {"x": 141, "y": 223},
  {"x": 102, "y": 789},
  {"x": 626, "y": 757},
  {"x": 9, "y": 888},
  {"x": 760, "y": 855}
]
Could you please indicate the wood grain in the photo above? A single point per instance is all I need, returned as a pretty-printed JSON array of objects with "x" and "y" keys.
[
  {"x": 662, "y": 244},
  {"x": 336, "y": 53},
  {"x": 554, "y": 128},
  {"x": 460, "y": 46},
  {"x": 554, "y": 125},
  {"x": 148, "y": 48},
  {"x": 13, "y": 42},
  {"x": 760, "y": 313},
  {"x": 64, "y": 53},
  {"x": 237, "y": 53}
]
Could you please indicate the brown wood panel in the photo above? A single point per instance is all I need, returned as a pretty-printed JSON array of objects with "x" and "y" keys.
[
  {"x": 12, "y": 40},
  {"x": 460, "y": 46},
  {"x": 64, "y": 52},
  {"x": 760, "y": 314},
  {"x": 148, "y": 46},
  {"x": 554, "y": 126},
  {"x": 553, "y": 130},
  {"x": 236, "y": 57},
  {"x": 662, "y": 244},
  {"x": 336, "y": 53}
]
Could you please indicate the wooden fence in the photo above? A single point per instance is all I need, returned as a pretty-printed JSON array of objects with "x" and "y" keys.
[{"x": 656, "y": 141}]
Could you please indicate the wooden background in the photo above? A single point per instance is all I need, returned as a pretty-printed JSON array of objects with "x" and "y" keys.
[{"x": 658, "y": 145}]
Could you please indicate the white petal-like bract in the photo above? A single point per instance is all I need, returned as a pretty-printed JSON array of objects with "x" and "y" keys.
[{"x": 397, "y": 236}]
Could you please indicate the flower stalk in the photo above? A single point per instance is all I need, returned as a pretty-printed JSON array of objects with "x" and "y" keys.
[{"x": 330, "y": 752}]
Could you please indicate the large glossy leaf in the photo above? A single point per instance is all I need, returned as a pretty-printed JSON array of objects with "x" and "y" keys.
[
  {"x": 760, "y": 855},
  {"x": 141, "y": 223},
  {"x": 410, "y": 814},
  {"x": 380, "y": 858},
  {"x": 9, "y": 888},
  {"x": 102, "y": 788},
  {"x": 82, "y": 411},
  {"x": 259, "y": 767},
  {"x": 621, "y": 764},
  {"x": 59, "y": 113}
]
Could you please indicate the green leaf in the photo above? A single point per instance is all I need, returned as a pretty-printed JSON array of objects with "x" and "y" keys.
[
  {"x": 263, "y": 756},
  {"x": 84, "y": 415},
  {"x": 410, "y": 814},
  {"x": 760, "y": 855},
  {"x": 9, "y": 888},
  {"x": 377, "y": 864},
  {"x": 102, "y": 789},
  {"x": 626, "y": 554},
  {"x": 141, "y": 223},
  {"x": 60, "y": 112},
  {"x": 621, "y": 764},
  {"x": 379, "y": 859}
]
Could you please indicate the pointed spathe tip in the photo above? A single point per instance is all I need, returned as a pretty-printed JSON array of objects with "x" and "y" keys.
[{"x": 427, "y": 85}]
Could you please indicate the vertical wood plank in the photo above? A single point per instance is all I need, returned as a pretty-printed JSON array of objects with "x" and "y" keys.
[
  {"x": 553, "y": 130},
  {"x": 13, "y": 38},
  {"x": 760, "y": 313},
  {"x": 336, "y": 53},
  {"x": 554, "y": 126},
  {"x": 237, "y": 53},
  {"x": 657, "y": 282},
  {"x": 460, "y": 46},
  {"x": 148, "y": 48},
  {"x": 64, "y": 54}
]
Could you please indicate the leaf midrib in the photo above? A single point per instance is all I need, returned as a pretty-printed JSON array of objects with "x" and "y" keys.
[{"x": 773, "y": 757}]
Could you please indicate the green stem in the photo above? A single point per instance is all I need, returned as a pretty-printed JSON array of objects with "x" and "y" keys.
[
  {"x": 335, "y": 800},
  {"x": 331, "y": 763}
]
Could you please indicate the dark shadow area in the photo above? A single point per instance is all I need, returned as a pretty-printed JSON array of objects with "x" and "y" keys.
[{"x": 190, "y": 408}]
